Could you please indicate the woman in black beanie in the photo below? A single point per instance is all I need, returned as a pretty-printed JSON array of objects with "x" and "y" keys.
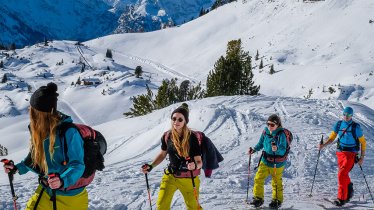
[
  {"x": 47, "y": 156},
  {"x": 181, "y": 144}
]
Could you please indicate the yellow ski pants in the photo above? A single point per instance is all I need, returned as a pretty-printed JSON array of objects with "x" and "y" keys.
[
  {"x": 76, "y": 202},
  {"x": 170, "y": 184},
  {"x": 276, "y": 182}
]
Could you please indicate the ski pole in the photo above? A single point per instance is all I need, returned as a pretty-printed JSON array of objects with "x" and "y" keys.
[
  {"x": 10, "y": 176},
  {"x": 149, "y": 191},
  {"x": 193, "y": 184},
  {"x": 53, "y": 198},
  {"x": 275, "y": 175},
  {"x": 259, "y": 160},
  {"x": 249, "y": 172},
  {"x": 367, "y": 184},
  {"x": 315, "y": 170}
]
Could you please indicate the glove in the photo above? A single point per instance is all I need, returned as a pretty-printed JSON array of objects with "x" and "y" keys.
[
  {"x": 9, "y": 166},
  {"x": 149, "y": 165},
  {"x": 251, "y": 150}
]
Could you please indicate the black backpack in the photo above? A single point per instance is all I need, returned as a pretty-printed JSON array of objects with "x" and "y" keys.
[{"x": 95, "y": 147}]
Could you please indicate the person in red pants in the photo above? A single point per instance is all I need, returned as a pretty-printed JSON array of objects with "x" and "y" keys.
[{"x": 350, "y": 141}]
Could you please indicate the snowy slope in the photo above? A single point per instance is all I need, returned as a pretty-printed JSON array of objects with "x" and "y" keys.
[
  {"x": 307, "y": 53},
  {"x": 314, "y": 45},
  {"x": 234, "y": 124}
]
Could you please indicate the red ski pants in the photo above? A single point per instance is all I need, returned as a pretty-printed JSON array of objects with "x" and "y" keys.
[{"x": 346, "y": 161}]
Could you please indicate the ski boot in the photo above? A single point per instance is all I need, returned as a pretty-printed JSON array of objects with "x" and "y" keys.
[
  {"x": 275, "y": 204},
  {"x": 257, "y": 202}
]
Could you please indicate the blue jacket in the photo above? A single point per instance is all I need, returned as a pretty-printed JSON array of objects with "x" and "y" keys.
[
  {"x": 347, "y": 140},
  {"x": 73, "y": 170},
  {"x": 265, "y": 144}
]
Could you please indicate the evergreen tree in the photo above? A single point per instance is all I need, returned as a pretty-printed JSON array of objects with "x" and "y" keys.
[
  {"x": 202, "y": 12},
  {"x": 45, "y": 42},
  {"x": 109, "y": 53},
  {"x": 167, "y": 94},
  {"x": 232, "y": 74},
  {"x": 138, "y": 71},
  {"x": 13, "y": 46},
  {"x": 5, "y": 79},
  {"x": 332, "y": 90},
  {"x": 261, "y": 64},
  {"x": 272, "y": 69},
  {"x": 78, "y": 81},
  {"x": 184, "y": 88},
  {"x": 1, "y": 64},
  {"x": 195, "y": 92},
  {"x": 143, "y": 104},
  {"x": 257, "y": 56},
  {"x": 83, "y": 67}
]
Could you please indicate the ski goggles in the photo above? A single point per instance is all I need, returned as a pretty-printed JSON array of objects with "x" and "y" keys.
[{"x": 175, "y": 119}]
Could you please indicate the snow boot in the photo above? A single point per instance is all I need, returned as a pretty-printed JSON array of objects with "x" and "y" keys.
[
  {"x": 257, "y": 202},
  {"x": 350, "y": 191},
  {"x": 275, "y": 204},
  {"x": 339, "y": 202}
]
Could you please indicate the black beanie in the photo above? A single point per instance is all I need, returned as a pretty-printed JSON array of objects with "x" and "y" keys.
[
  {"x": 183, "y": 109},
  {"x": 44, "y": 99},
  {"x": 275, "y": 119}
]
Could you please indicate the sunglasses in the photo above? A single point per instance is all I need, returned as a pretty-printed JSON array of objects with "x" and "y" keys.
[
  {"x": 175, "y": 119},
  {"x": 347, "y": 115},
  {"x": 271, "y": 125}
]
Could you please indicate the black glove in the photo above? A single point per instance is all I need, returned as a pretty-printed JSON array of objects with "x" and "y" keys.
[
  {"x": 251, "y": 150},
  {"x": 149, "y": 165}
]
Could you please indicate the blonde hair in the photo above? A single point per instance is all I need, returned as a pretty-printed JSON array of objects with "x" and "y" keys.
[
  {"x": 42, "y": 125},
  {"x": 181, "y": 145}
]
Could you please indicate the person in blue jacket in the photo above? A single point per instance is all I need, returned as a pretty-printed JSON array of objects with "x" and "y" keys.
[
  {"x": 273, "y": 142},
  {"x": 46, "y": 155},
  {"x": 350, "y": 142}
]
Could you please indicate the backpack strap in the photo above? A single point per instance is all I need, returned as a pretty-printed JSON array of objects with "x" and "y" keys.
[
  {"x": 354, "y": 134},
  {"x": 345, "y": 130},
  {"x": 62, "y": 128},
  {"x": 199, "y": 136}
]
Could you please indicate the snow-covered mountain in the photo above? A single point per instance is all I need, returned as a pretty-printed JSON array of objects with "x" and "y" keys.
[
  {"x": 25, "y": 22},
  {"x": 29, "y": 22},
  {"x": 312, "y": 46}
]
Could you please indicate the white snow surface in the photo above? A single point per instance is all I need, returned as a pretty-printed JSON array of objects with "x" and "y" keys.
[
  {"x": 312, "y": 45},
  {"x": 234, "y": 124}
]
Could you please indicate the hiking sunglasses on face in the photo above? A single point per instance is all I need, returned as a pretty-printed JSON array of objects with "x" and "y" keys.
[{"x": 10, "y": 176}]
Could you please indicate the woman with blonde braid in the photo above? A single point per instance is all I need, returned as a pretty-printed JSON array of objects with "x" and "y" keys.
[{"x": 181, "y": 144}]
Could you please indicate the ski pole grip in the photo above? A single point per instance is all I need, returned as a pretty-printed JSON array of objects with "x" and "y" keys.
[
  {"x": 7, "y": 162},
  {"x": 53, "y": 175},
  {"x": 189, "y": 159},
  {"x": 321, "y": 142}
]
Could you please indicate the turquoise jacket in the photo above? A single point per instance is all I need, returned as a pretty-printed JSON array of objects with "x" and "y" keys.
[
  {"x": 265, "y": 144},
  {"x": 73, "y": 170}
]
